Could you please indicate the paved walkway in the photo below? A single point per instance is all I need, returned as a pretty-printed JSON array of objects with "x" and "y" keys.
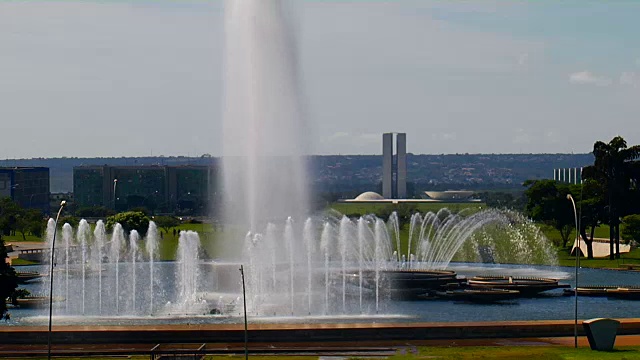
[
  {"x": 285, "y": 338},
  {"x": 345, "y": 348},
  {"x": 18, "y": 246}
]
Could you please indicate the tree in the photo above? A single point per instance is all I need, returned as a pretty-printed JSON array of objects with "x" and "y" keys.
[
  {"x": 68, "y": 219},
  {"x": 613, "y": 168},
  {"x": 8, "y": 279},
  {"x": 631, "y": 227},
  {"x": 547, "y": 202},
  {"x": 166, "y": 222},
  {"x": 130, "y": 220},
  {"x": 504, "y": 200},
  {"x": 29, "y": 220},
  {"x": 9, "y": 213}
]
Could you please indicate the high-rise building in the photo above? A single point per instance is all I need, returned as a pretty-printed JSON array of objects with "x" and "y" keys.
[
  {"x": 27, "y": 186},
  {"x": 568, "y": 175},
  {"x": 394, "y": 173},
  {"x": 157, "y": 188},
  {"x": 387, "y": 166},
  {"x": 401, "y": 166}
]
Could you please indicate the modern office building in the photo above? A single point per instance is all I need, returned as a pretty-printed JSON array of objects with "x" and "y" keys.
[
  {"x": 387, "y": 166},
  {"x": 162, "y": 189},
  {"x": 401, "y": 166},
  {"x": 568, "y": 175},
  {"x": 56, "y": 198},
  {"x": 394, "y": 168},
  {"x": 27, "y": 186}
]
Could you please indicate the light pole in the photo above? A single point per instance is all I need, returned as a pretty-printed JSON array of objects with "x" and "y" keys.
[
  {"x": 246, "y": 330},
  {"x": 575, "y": 325},
  {"x": 115, "y": 186},
  {"x": 53, "y": 248}
]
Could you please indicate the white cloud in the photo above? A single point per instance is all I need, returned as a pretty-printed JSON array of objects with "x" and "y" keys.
[
  {"x": 553, "y": 137},
  {"x": 358, "y": 140},
  {"x": 589, "y": 78},
  {"x": 521, "y": 137},
  {"x": 630, "y": 78},
  {"x": 444, "y": 136},
  {"x": 523, "y": 59},
  {"x": 336, "y": 136}
]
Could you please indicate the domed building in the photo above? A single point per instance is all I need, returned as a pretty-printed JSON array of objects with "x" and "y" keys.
[
  {"x": 369, "y": 196},
  {"x": 450, "y": 195}
]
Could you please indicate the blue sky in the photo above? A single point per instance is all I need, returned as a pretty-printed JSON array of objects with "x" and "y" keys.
[{"x": 124, "y": 78}]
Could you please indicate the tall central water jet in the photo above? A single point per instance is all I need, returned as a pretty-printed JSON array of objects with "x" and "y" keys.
[{"x": 264, "y": 142}]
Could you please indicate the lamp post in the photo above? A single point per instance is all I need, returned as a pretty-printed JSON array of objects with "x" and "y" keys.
[
  {"x": 115, "y": 186},
  {"x": 53, "y": 248},
  {"x": 575, "y": 325},
  {"x": 246, "y": 330}
]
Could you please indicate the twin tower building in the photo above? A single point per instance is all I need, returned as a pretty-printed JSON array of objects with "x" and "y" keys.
[{"x": 394, "y": 168}]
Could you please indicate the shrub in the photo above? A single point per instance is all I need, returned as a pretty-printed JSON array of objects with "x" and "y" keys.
[
  {"x": 130, "y": 220},
  {"x": 630, "y": 229}
]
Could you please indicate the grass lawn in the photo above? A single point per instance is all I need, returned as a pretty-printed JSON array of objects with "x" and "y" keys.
[
  {"x": 520, "y": 352},
  {"x": 19, "y": 262},
  {"x": 632, "y": 257},
  {"x": 168, "y": 243},
  {"x": 18, "y": 237},
  {"x": 458, "y": 352},
  {"x": 552, "y": 234}
]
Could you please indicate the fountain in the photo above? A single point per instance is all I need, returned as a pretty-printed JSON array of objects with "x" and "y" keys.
[
  {"x": 323, "y": 266},
  {"x": 116, "y": 278},
  {"x": 266, "y": 192},
  {"x": 359, "y": 261},
  {"x": 295, "y": 265}
]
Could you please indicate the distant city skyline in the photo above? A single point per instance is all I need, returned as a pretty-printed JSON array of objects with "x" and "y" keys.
[{"x": 144, "y": 77}]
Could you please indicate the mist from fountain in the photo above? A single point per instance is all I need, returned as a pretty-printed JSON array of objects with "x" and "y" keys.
[
  {"x": 83, "y": 235},
  {"x": 117, "y": 240},
  {"x": 187, "y": 274},
  {"x": 134, "y": 237},
  {"x": 67, "y": 235},
  {"x": 99, "y": 239},
  {"x": 151, "y": 242},
  {"x": 264, "y": 133}
]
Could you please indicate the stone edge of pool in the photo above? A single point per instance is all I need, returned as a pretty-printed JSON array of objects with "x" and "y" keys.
[{"x": 273, "y": 333}]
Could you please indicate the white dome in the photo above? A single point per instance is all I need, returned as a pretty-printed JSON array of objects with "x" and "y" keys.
[{"x": 369, "y": 196}]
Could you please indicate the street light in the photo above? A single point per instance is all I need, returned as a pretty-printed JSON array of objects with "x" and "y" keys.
[
  {"x": 577, "y": 247},
  {"x": 53, "y": 248},
  {"x": 115, "y": 185},
  {"x": 246, "y": 330}
]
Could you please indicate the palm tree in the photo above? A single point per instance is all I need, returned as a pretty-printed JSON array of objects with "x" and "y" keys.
[{"x": 612, "y": 168}]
